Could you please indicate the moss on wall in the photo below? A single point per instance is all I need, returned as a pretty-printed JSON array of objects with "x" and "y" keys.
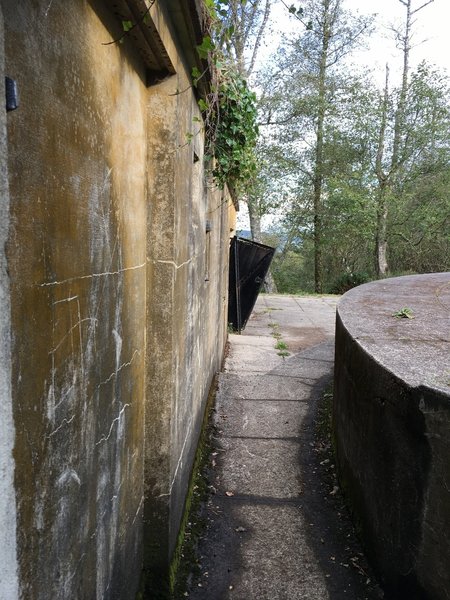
[{"x": 116, "y": 335}]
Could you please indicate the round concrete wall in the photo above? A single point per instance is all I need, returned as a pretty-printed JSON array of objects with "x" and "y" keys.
[{"x": 391, "y": 420}]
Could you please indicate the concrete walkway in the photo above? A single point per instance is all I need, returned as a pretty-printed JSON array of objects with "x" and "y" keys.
[{"x": 276, "y": 524}]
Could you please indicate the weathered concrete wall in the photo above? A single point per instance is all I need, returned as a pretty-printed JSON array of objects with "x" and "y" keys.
[
  {"x": 188, "y": 268},
  {"x": 115, "y": 332},
  {"x": 392, "y": 428},
  {"x": 8, "y": 558},
  {"x": 76, "y": 257}
]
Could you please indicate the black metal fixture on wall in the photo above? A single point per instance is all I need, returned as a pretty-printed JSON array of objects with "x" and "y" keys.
[{"x": 12, "y": 94}]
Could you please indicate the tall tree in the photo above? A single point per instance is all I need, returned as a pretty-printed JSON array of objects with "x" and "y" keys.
[
  {"x": 246, "y": 21},
  {"x": 391, "y": 157},
  {"x": 371, "y": 167},
  {"x": 419, "y": 214},
  {"x": 317, "y": 83}
]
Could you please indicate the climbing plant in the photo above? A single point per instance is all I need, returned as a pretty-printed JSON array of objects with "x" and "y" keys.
[
  {"x": 233, "y": 138},
  {"x": 229, "y": 108}
]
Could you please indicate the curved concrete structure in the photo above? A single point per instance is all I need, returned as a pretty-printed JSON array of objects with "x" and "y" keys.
[{"x": 392, "y": 428}]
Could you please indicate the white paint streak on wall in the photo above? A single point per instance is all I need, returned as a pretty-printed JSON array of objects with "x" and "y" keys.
[
  {"x": 80, "y": 337},
  {"x": 118, "y": 369},
  {"x": 139, "y": 509},
  {"x": 47, "y": 10},
  {"x": 174, "y": 264},
  {"x": 71, "y": 330},
  {"x": 65, "y": 300},
  {"x": 63, "y": 422},
  {"x": 93, "y": 275},
  {"x": 8, "y": 551},
  {"x": 180, "y": 459},
  {"x": 67, "y": 476},
  {"x": 101, "y": 562},
  {"x": 116, "y": 420},
  {"x": 118, "y": 342}
]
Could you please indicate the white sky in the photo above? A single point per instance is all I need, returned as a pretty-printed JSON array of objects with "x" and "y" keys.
[{"x": 431, "y": 32}]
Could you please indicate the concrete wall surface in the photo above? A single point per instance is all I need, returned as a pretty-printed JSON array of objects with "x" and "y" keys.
[
  {"x": 110, "y": 334},
  {"x": 391, "y": 420}
]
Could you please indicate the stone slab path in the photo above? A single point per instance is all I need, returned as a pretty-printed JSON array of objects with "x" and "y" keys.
[{"x": 277, "y": 528}]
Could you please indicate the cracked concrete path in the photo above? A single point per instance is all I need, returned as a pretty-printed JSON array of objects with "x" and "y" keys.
[{"x": 276, "y": 528}]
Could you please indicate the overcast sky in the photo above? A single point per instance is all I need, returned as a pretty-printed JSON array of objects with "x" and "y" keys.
[{"x": 431, "y": 31}]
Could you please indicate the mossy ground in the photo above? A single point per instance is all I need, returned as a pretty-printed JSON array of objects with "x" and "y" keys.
[{"x": 185, "y": 564}]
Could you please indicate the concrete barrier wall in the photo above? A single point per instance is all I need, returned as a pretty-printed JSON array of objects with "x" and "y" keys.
[
  {"x": 115, "y": 334},
  {"x": 187, "y": 299},
  {"x": 391, "y": 420},
  {"x": 8, "y": 540}
]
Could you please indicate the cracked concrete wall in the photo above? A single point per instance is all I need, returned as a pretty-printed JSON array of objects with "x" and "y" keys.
[
  {"x": 186, "y": 320},
  {"x": 76, "y": 258},
  {"x": 116, "y": 334},
  {"x": 8, "y": 553}
]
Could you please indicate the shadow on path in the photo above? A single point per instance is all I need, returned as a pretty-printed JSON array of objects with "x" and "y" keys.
[{"x": 276, "y": 526}]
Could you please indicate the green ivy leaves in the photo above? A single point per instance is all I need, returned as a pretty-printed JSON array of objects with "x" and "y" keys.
[
  {"x": 236, "y": 134},
  {"x": 205, "y": 47},
  {"x": 404, "y": 313},
  {"x": 229, "y": 108}
]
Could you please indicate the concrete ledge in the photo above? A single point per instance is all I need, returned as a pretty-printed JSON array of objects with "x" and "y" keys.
[{"x": 391, "y": 419}]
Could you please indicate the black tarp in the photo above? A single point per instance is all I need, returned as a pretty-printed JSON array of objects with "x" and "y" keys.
[{"x": 249, "y": 263}]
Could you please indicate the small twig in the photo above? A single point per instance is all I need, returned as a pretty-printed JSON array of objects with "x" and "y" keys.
[{"x": 138, "y": 22}]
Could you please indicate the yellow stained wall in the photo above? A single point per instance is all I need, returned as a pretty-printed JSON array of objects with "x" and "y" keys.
[
  {"x": 115, "y": 333},
  {"x": 186, "y": 318}
]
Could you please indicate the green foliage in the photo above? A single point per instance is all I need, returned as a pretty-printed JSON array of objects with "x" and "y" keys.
[
  {"x": 280, "y": 345},
  {"x": 235, "y": 133},
  {"x": 229, "y": 109},
  {"x": 347, "y": 281},
  {"x": 418, "y": 221},
  {"x": 404, "y": 313},
  {"x": 288, "y": 270},
  {"x": 205, "y": 47},
  {"x": 127, "y": 25}
]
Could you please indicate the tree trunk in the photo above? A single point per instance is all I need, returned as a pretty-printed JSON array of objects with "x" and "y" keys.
[
  {"x": 387, "y": 181},
  {"x": 319, "y": 157},
  {"x": 381, "y": 263},
  {"x": 255, "y": 220}
]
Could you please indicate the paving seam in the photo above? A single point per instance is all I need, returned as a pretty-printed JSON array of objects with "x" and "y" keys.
[
  {"x": 300, "y": 400},
  {"x": 291, "y": 438},
  {"x": 236, "y": 373}
]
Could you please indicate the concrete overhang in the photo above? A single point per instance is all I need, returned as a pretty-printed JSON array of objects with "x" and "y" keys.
[{"x": 189, "y": 22}]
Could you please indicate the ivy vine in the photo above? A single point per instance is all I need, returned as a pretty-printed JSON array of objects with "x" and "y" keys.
[
  {"x": 232, "y": 144},
  {"x": 229, "y": 110}
]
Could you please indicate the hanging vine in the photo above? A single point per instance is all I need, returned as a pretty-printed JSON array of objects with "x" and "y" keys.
[{"x": 229, "y": 108}]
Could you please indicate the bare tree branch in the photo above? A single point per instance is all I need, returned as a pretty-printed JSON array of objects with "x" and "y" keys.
[{"x": 259, "y": 36}]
